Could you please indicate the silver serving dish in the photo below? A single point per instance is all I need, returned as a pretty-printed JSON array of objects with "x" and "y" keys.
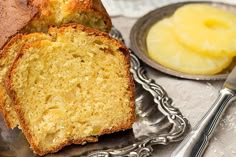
[
  {"x": 158, "y": 122},
  {"x": 139, "y": 33}
]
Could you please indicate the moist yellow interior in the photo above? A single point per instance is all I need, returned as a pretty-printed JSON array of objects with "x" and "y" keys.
[
  {"x": 72, "y": 88},
  {"x": 5, "y": 63}
]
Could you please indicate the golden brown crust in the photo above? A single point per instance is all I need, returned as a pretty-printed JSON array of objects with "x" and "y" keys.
[
  {"x": 10, "y": 43},
  {"x": 92, "y": 31},
  {"x": 25, "y": 129},
  {"x": 8, "y": 117}
]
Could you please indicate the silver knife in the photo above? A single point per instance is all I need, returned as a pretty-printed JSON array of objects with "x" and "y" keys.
[{"x": 197, "y": 140}]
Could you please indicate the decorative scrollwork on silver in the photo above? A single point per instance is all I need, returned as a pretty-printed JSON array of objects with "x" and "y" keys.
[
  {"x": 140, "y": 149},
  {"x": 162, "y": 100},
  {"x": 143, "y": 148}
]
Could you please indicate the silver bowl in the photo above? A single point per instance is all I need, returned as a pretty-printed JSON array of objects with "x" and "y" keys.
[{"x": 141, "y": 27}]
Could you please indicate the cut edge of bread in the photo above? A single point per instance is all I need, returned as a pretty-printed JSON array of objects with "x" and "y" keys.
[
  {"x": 17, "y": 106},
  {"x": 8, "y": 112},
  {"x": 7, "y": 56}
]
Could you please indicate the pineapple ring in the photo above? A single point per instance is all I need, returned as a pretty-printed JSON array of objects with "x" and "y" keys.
[
  {"x": 206, "y": 29},
  {"x": 165, "y": 49}
]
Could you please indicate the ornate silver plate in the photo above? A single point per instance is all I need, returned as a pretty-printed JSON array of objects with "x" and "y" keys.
[
  {"x": 158, "y": 122},
  {"x": 139, "y": 33}
]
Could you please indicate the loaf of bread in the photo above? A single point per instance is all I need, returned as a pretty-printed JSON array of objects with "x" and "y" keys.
[
  {"x": 90, "y": 13},
  {"x": 71, "y": 87},
  {"x": 50, "y": 12},
  {"x": 37, "y": 15},
  {"x": 7, "y": 57}
]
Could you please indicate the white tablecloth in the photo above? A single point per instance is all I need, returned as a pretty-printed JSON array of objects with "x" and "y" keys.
[
  {"x": 193, "y": 98},
  {"x": 137, "y": 8}
]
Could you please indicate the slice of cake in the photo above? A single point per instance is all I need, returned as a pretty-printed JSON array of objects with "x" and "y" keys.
[
  {"x": 71, "y": 88},
  {"x": 50, "y": 12},
  {"x": 7, "y": 57}
]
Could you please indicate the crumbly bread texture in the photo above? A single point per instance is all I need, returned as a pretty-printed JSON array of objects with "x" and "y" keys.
[
  {"x": 50, "y": 12},
  {"x": 71, "y": 88},
  {"x": 7, "y": 57},
  {"x": 90, "y": 13}
]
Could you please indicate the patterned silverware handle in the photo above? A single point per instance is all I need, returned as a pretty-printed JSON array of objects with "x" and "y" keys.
[{"x": 197, "y": 140}]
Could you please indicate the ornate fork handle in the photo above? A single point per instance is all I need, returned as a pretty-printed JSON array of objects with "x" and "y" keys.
[{"x": 162, "y": 102}]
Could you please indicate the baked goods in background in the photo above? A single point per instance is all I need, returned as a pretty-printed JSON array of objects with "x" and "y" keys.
[
  {"x": 90, "y": 13},
  {"x": 197, "y": 39},
  {"x": 37, "y": 15},
  {"x": 71, "y": 88}
]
